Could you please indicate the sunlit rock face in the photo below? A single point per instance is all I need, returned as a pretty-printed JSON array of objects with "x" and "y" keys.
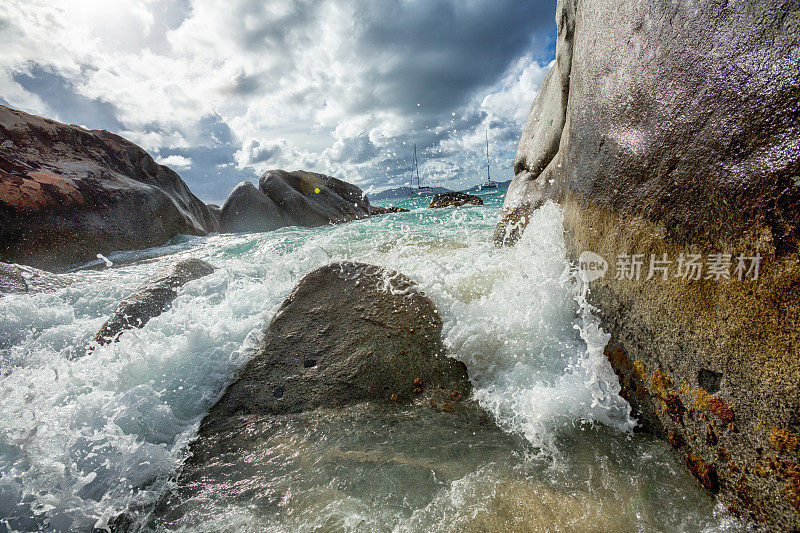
[
  {"x": 67, "y": 194},
  {"x": 312, "y": 199},
  {"x": 672, "y": 128}
]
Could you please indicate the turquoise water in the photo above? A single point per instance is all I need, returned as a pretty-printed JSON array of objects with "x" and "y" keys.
[{"x": 83, "y": 438}]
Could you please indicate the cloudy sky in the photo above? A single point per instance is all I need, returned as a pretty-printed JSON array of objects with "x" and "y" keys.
[{"x": 221, "y": 90}]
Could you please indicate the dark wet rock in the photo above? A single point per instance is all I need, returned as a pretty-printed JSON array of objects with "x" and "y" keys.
[
  {"x": 67, "y": 194},
  {"x": 152, "y": 297},
  {"x": 454, "y": 199},
  {"x": 296, "y": 198},
  {"x": 311, "y": 199},
  {"x": 349, "y": 332},
  {"x": 20, "y": 279},
  {"x": 380, "y": 210},
  {"x": 249, "y": 210},
  {"x": 657, "y": 139}
]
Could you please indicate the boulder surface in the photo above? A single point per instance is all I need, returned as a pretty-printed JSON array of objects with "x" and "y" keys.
[
  {"x": 67, "y": 193},
  {"x": 152, "y": 298},
  {"x": 249, "y": 210},
  {"x": 349, "y": 332},
  {"x": 454, "y": 199},
  {"x": 311, "y": 199},
  {"x": 669, "y": 129}
]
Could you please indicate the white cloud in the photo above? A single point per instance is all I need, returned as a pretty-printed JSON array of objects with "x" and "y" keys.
[
  {"x": 332, "y": 85},
  {"x": 175, "y": 161}
]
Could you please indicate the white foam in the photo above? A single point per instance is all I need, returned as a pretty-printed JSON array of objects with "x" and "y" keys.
[{"x": 78, "y": 435}]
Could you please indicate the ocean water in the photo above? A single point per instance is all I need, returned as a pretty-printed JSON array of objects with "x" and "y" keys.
[{"x": 86, "y": 437}]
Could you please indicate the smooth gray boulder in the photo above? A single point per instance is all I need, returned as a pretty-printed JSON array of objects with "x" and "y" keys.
[
  {"x": 311, "y": 199},
  {"x": 669, "y": 129},
  {"x": 21, "y": 279},
  {"x": 454, "y": 199},
  {"x": 248, "y": 210},
  {"x": 348, "y": 332},
  {"x": 152, "y": 298}
]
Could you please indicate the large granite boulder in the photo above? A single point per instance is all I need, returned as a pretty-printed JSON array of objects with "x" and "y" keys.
[
  {"x": 296, "y": 198},
  {"x": 21, "y": 279},
  {"x": 152, "y": 298},
  {"x": 67, "y": 193},
  {"x": 454, "y": 199},
  {"x": 349, "y": 332},
  {"x": 672, "y": 128},
  {"x": 311, "y": 199},
  {"x": 249, "y": 210}
]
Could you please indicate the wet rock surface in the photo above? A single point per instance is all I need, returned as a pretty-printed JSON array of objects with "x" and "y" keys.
[
  {"x": 296, "y": 198},
  {"x": 454, "y": 199},
  {"x": 656, "y": 142},
  {"x": 20, "y": 279},
  {"x": 248, "y": 210},
  {"x": 349, "y": 332},
  {"x": 152, "y": 298},
  {"x": 67, "y": 193},
  {"x": 380, "y": 210}
]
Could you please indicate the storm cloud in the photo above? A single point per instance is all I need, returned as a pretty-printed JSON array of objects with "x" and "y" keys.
[{"x": 225, "y": 89}]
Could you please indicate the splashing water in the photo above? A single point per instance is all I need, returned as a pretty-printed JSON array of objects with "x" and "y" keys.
[{"x": 83, "y": 438}]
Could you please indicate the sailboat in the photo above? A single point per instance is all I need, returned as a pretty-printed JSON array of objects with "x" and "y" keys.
[
  {"x": 421, "y": 189},
  {"x": 488, "y": 184}
]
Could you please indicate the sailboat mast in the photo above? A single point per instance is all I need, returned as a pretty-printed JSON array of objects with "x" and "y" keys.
[
  {"x": 416, "y": 166},
  {"x": 488, "y": 176}
]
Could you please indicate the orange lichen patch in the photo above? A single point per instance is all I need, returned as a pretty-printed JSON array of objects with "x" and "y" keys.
[
  {"x": 447, "y": 407},
  {"x": 456, "y": 395},
  {"x": 660, "y": 381},
  {"x": 792, "y": 492},
  {"x": 676, "y": 440},
  {"x": 784, "y": 440},
  {"x": 699, "y": 397},
  {"x": 418, "y": 382},
  {"x": 638, "y": 368},
  {"x": 723, "y": 454},
  {"x": 706, "y": 473},
  {"x": 674, "y": 407},
  {"x": 721, "y": 408}
]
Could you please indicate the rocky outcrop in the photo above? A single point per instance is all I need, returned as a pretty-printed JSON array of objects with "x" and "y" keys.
[
  {"x": 380, "y": 210},
  {"x": 454, "y": 199},
  {"x": 152, "y": 298},
  {"x": 20, "y": 279},
  {"x": 311, "y": 199},
  {"x": 296, "y": 198},
  {"x": 670, "y": 130},
  {"x": 67, "y": 193},
  {"x": 349, "y": 332},
  {"x": 249, "y": 210}
]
